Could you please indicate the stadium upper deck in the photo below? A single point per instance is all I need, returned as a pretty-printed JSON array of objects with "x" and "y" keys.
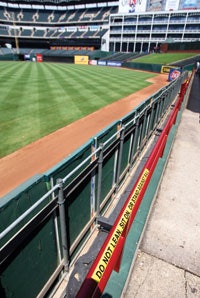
[
  {"x": 56, "y": 2},
  {"x": 109, "y": 26}
]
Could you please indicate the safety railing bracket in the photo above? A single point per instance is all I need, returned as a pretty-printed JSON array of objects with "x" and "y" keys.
[{"x": 104, "y": 224}]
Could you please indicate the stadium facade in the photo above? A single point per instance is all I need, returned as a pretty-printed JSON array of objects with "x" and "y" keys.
[{"x": 124, "y": 25}]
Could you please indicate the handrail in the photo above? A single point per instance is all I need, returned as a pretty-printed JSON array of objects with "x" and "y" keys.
[{"x": 27, "y": 212}]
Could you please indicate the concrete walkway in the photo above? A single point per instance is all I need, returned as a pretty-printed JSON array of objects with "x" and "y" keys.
[{"x": 168, "y": 260}]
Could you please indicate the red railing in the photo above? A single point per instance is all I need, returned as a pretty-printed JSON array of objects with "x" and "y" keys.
[{"x": 109, "y": 257}]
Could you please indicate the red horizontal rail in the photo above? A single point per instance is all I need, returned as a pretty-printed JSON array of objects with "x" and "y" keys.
[{"x": 110, "y": 254}]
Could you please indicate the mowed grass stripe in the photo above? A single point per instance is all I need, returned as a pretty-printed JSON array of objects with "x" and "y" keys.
[
  {"x": 164, "y": 58},
  {"x": 8, "y": 75},
  {"x": 100, "y": 90},
  {"x": 50, "y": 101},
  {"x": 111, "y": 81},
  {"x": 67, "y": 85},
  {"x": 81, "y": 98},
  {"x": 39, "y": 98},
  {"x": 17, "y": 110}
]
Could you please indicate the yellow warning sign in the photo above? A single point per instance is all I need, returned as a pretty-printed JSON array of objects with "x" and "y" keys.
[
  {"x": 166, "y": 68},
  {"x": 103, "y": 262},
  {"x": 78, "y": 59}
]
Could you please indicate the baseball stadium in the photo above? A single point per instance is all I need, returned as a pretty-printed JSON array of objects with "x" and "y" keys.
[{"x": 99, "y": 151}]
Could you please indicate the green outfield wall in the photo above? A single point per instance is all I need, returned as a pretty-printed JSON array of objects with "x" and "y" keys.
[{"x": 143, "y": 66}]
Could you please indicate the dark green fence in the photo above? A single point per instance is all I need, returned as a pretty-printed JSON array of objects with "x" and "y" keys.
[
  {"x": 143, "y": 66},
  {"x": 9, "y": 57},
  {"x": 45, "y": 223}
]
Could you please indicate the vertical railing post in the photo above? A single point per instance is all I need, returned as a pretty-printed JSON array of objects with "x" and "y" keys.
[
  {"x": 156, "y": 113},
  {"x": 99, "y": 183},
  {"x": 135, "y": 143},
  {"x": 61, "y": 205},
  {"x": 162, "y": 106},
  {"x": 55, "y": 218},
  {"x": 120, "y": 156},
  {"x": 151, "y": 119},
  {"x": 160, "y": 110},
  {"x": 93, "y": 181},
  {"x": 144, "y": 127}
]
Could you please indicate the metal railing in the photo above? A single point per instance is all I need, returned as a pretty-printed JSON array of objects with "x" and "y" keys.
[{"x": 78, "y": 191}]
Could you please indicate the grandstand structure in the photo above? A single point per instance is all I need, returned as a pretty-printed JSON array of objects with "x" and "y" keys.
[
  {"x": 52, "y": 26},
  {"x": 147, "y": 30},
  {"x": 117, "y": 26}
]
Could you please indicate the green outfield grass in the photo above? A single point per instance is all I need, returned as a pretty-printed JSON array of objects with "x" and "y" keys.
[
  {"x": 164, "y": 58},
  {"x": 39, "y": 98}
]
